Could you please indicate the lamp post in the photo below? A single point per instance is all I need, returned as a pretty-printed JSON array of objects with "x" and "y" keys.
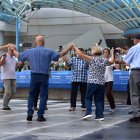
[{"x": 17, "y": 33}]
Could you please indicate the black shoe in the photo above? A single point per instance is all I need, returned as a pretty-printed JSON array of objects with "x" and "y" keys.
[
  {"x": 135, "y": 119},
  {"x": 130, "y": 112},
  {"x": 36, "y": 108},
  {"x": 6, "y": 108},
  {"x": 29, "y": 118},
  {"x": 41, "y": 119}
]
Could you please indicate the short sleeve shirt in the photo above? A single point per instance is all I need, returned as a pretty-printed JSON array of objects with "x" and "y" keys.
[
  {"x": 8, "y": 68},
  {"x": 133, "y": 56},
  {"x": 96, "y": 73},
  {"x": 40, "y": 59},
  {"x": 79, "y": 68},
  {"x": 109, "y": 73}
]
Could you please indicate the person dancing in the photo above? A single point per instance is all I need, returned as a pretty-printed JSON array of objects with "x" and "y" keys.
[
  {"x": 95, "y": 81},
  {"x": 40, "y": 59},
  {"x": 109, "y": 81}
]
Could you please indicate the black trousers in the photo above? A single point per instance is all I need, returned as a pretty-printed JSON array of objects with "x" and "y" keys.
[
  {"x": 109, "y": 95},
  {"x": 74, "y": 90}
]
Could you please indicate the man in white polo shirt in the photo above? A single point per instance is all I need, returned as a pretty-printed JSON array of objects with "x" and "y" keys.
[{"x": 8, "y": 63}]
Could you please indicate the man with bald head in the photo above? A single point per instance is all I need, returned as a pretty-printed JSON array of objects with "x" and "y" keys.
[
  {"x": 39, "y": 40},
  {"x": 40, "y": 59}
]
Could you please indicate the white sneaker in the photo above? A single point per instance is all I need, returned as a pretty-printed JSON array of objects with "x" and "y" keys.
[
  {"x": 86, "y": 117},
  {"x": 112, "y": 110},
  {"x": 99, "y": 119}
]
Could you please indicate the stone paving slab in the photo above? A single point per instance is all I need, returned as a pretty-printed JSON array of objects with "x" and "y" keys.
[{"x": 61, "y": 124}]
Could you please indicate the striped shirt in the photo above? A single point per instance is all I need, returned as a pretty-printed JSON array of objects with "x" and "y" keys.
[
  {"x": 40, "y": 59},
  {"x": 79, "y": 68}
]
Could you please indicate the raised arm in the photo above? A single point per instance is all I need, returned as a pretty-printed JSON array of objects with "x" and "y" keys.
[
  {"x": 118, "y": 61},
  {"x": 111, "y": 59},
  {"x": 3, "y": 47},
  {"x": 81, "y": 54},
  {"x": 66, "y": 50},
  {"x": 12, "y": 47},
  {"x": 123, "y": 50},
  {"x": 121, "y": 62},
  {"x": 2, "y": 59}
]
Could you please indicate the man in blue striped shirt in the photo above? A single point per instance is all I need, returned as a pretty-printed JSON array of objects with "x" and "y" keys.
[{"x": 40, "y": 59}]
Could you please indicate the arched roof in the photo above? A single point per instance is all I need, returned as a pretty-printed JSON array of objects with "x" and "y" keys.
[{"x": 124, "y": 14}]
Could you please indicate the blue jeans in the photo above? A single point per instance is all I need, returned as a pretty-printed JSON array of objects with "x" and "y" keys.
[
  {"x": 98, "y": 91},
  {"x": 38, "y": 81}
]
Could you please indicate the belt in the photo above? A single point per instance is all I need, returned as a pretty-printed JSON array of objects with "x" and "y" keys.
[
  {"x": 39, "y": 73},
  {"x": 135, "y": 69}
]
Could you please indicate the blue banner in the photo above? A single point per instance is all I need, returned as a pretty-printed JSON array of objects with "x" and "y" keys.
[
  {"x": 120, "y": 80},
  {"x": 62, "y": 79}
]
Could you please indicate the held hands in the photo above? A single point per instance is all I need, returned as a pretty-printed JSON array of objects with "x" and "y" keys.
[
  {"x": 71, "y": 45},
  {"x": 11, "y": 47},
  {"x": 77, "y": 51}
]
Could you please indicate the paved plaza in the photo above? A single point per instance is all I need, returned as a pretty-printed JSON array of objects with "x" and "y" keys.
[{"x": 64, "y": 125}]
